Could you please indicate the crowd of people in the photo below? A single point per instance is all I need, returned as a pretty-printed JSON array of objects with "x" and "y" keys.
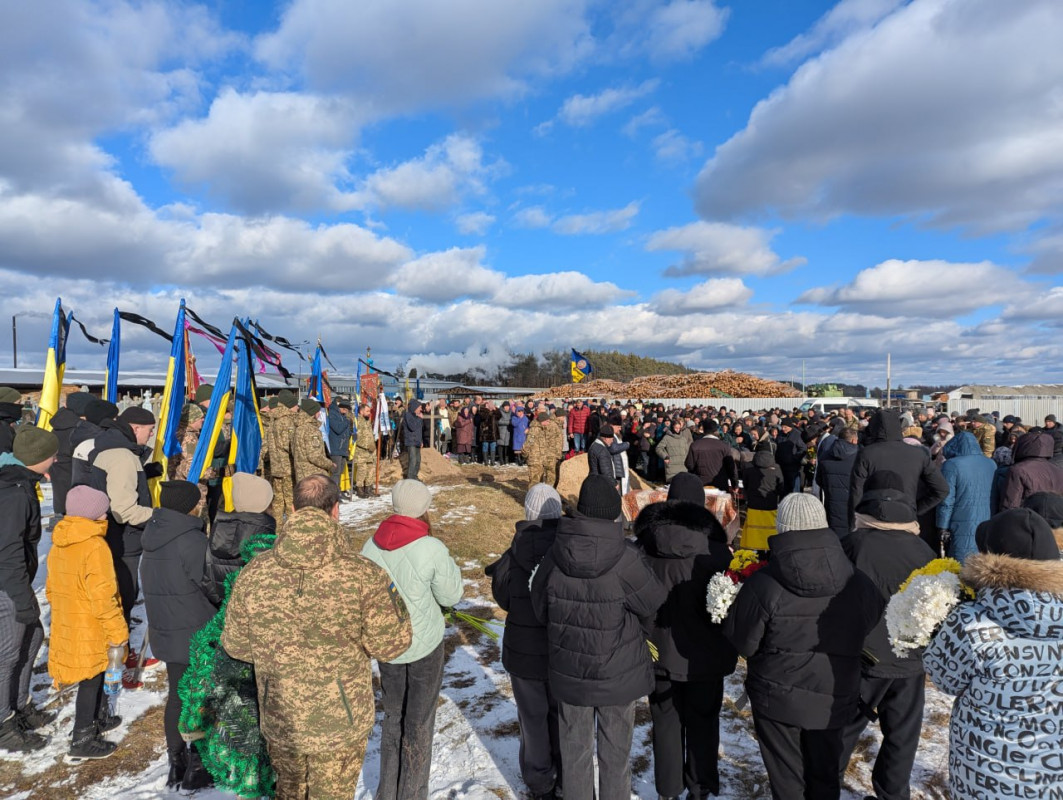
[{"x": 842, "y": 508}]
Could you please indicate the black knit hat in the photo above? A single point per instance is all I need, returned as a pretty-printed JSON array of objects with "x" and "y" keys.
[
  {"x": 78, "y": 402},
  {"x": 606, "y": 432},
  {"x": 96, "y": 411},
  {"x": 884, "y": 498},
  {"x": 599, "y": 498},
  {"x": 179, "y": 496},
  {"x": 1048, "y": 505},
  {"x": 1017, "y": 532},
  {"x": 135, "y": 415},
  {"x": 687, "y": 486}
]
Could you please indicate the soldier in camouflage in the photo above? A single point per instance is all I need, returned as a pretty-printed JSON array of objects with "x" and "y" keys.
[
  {"x": 310, "y": 614},
  {"x": 365, "y": 455},
  {"x": 535, "y": 450},
  {"x": 553, "y": 447},
  {"x": 309, "y": 456},
  {"x": 280, "y": 453}
]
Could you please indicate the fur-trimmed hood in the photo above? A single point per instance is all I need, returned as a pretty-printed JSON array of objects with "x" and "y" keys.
[
  {"x": 999, "y": 579},
  {"x": 677, "y": 529}
]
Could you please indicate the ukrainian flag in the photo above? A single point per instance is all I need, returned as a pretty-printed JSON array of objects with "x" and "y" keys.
[
  {"x": 167, "y": 445},
  {"x": 215, "y": 419},
  {"x": 581, "y": 367},
  {"x": 54, "y": 367},
  {"x": 245, "y": 448},
  {"x": 110, "y": 386}
]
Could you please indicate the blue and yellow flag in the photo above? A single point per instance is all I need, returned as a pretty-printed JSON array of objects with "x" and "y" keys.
[
  {"x": 54, "y": 367},
  {"x": 110, "y": 385},
  {"x": 581, "y": 367},
  {"x": 319, "y": 386},
  {"x": 215, "y": 419},
  {"x": 167, "y": 444}
]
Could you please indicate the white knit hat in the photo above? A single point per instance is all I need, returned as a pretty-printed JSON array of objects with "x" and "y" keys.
[
  {"x": 410, "y": 498},
  {"x": 542, "y": 502},
  {"x": 800, "y": 512}
]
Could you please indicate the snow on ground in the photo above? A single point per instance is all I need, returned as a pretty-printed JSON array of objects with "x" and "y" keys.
[{"x": 476, "y": 742}]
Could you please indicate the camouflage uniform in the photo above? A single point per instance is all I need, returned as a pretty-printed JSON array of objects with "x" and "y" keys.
[
  {"x": 280, "y": 459},
  {"x": 308, "y": 449},
  {"x": 986, "y": 435},
  {"x": 365, "y": 455},
  {"x": 310, "y": 614},
  {"x": 554, "y": 449},
  {"x": 535, "y": 452}
]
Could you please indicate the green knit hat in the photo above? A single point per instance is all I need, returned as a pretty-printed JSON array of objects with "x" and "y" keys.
[
  {"x": 311, "y": 407},
  {"x": 203, "y": 392},
  {"x": 286, "y": 397},
  {"x": 34, "y": 445}
]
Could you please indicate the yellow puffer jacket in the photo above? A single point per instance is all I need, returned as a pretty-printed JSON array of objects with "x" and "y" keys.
[{"x": 83, "y": 593}]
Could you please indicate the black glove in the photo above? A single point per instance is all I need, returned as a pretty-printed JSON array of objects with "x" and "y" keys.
[
  {"x": 153, "y": 469},
  {"x": 29, "y": 615}
]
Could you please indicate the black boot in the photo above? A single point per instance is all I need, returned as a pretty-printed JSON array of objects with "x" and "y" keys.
[
  {"x": 196, "y": 775},
  {"x": 33, "y": 718},
  {"x": 89, "y": 745},
  {"x": 16, "y": 739},
  {"x": 106, "y": 721},
  {"x": 178, "y": 764}
]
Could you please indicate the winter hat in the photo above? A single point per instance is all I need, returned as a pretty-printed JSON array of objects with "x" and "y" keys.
[
  {"x": 1003, "y": 456},
  {"x": 1017, "y": 532},
  {"x": 311, "y": 407},
  {"x": 96, "y": 411},
  {"x": 1010, "y": 418},
  {"x": 1048, "y": 505},
  {"x": 251, "y": 494},
  {"x": 606, "y": 432},
  {"x": 9, "y": 395},
  {"x": 789, "y": 422},
  {"x": 687, "y": 487},
  {"x": 542, "y": 502},
  {"x": 135, "y": 415},
  {"x": 192, "y": 413},
  {"x": 84, "y": 501},
  {"x": 410, "y": 498},
  {"x": 543, "y": 416},
  {"x": 179, "y": 496},
  {"x": 800, "y": 512},
  {"x": 286, "y": 398},
  {"x": 1050, "y": 418},
  {"x": 599, "y": 498},
  {"x": 884, "y": 498},
  {"x": 711, "y": 426},
  {"x": 78, "y": 402},
  {"x": 273, "y": 402},
  {"x": 203, "y": 392},
  {"x": 946, "y": 426},
  {"x": 34, "y": 445}
]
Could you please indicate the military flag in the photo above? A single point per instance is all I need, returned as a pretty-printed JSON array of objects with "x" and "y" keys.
[
  {"x": 581, "y": 367},
  {"x": 54, "y": 366},
  {"x": 167, "y": 442},
  {"x": 110, "y": 385}
]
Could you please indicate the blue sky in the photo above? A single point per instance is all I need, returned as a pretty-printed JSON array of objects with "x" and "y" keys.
[{"x": 749, "y": 185}]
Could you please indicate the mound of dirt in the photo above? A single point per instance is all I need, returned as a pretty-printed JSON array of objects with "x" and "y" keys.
[
  {"x": 574, "y": 471},
  {"x": 434, "y": 468}
]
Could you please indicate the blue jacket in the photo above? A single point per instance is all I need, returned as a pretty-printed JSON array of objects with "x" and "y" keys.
[
  {"x": 339, "y": 431},
  {"x": 412, "y": 430},
  {"x": 969, "y": 475},
  {"x": 519, "y": 426}
]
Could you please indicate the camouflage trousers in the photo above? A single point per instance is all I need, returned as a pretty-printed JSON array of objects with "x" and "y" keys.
[
  {"x": 542, "y": 473},
  {"x": 365, "y": 469},
  {"x": 283, "y": 497},
  {"x": 318, "y": 776}
]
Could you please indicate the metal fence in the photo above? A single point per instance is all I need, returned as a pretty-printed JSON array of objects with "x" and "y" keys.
[{"x": 1032, "y": 409}]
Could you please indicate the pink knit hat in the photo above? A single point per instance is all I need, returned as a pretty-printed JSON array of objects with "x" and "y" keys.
[{"x": 84, "y": 501}]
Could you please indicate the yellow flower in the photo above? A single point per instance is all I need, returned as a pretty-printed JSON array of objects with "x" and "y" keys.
[
  {"x": 742, "y": 559},
  {"x": 936, "y": 567}
]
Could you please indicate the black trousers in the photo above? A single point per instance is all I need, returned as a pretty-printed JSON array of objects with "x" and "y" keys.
[
  {"x": 90, "y": 699},
  {"x": 899, "y": 703},
  {"x": 127, "y": 573},
  {"x": 801, "y": 764},
  {"x": 172, "y": 714},
  {"x": 686, "y": 736},
  {"x": 540, "y": 748}
]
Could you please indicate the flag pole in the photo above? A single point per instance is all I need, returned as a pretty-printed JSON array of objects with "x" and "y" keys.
[{"x": 379, "y": 391}]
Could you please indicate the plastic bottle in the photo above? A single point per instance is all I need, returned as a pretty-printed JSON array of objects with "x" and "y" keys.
[{"x": 112, "y": 678}]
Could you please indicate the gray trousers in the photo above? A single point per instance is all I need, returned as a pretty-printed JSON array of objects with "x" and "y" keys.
[
  {"x": 414, "y": 466},
  {"x": 540, "y": 750},
  {"x": 611, "y": 728},
  {"x": 19, "y": 645}
]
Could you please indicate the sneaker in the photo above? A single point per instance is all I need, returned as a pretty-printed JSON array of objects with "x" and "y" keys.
[
  {"x": 129, "y": 683},
  {"x": 31, "y": 718},
  {"x": 18, "y": 740},
  {"x": 106, "y": 721},
  {"x": 88, "y": 746},
  {"x": 149, "y": 662}
]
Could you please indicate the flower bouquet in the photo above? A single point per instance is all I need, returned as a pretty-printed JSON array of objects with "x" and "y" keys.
[
  {"x": 921, "y": 604},
  {"x": 724, "y": 586}
]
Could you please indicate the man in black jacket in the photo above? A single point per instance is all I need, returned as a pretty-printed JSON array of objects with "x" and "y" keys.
[
  {"x": 790, "y": 454},
  {"x": 886, "y": 548},
  {"x": 591, "y": 590},
  {"x": 21, "y": 634},
  {"x": 413, "y": 437},
  {"x": 833, "y": 474},
  {"x": 885, "y": 449},
  {"x": 800, "y": 623},
  {"x": 64, "y": 422},
  {"x": 712, "y": 460}
]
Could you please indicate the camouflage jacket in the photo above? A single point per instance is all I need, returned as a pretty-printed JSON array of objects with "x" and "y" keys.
[
  {"x": 535, "y": 444},
  {"x": 263, "y": 456},
  {"x": 987, "y": 439},
  {"x": 554, "y": 437},
  {"x": 366, "y": 443},
  {"x": 280, "y": 441},
  {"x": 310, "y": 614},
  {"x": 308, "y": 449}
]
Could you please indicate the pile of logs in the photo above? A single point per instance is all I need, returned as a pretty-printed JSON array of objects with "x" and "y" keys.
[{"x": 723, "y": 384}]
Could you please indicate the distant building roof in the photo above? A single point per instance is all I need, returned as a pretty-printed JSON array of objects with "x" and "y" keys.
[{"x": 990, "y": 391}]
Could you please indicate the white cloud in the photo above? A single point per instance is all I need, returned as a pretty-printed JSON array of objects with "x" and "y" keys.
[
  {"x": 581, "y": 110},
  {"x": 558, "y": 290},
  {"x": 674, "y": 148},
  {"x": 651, "y": 117},
  {"x": 844, "y": 19},
  {"x": 944, "y": 119},
  {"x": 719, "y": 247},
  {"x": 712, "y": 295},
  {"x": 532, "y": 217},
  {"x": 595, "y": 222},
  {"x": 448, "y": 275},
  {"x": 678, "y": 30},
  {"x": 476, "y": 222},
  {"x": 897, "y": 288}
]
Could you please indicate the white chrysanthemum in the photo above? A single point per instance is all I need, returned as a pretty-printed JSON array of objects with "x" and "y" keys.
[
  {"x": 719, "y": 596},
  {"x": 913, "y": 615}
]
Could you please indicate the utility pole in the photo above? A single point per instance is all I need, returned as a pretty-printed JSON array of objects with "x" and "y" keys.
[
  {"x": 14, "y": 342},
  {"x": 887, "y": 380}
]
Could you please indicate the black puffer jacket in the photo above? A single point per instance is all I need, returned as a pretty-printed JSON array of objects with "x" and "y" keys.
[
  {"x": 171, "y": 574},
  {"x": 591, "y": 591},
  {"x": 20, "y": 533},
  {"x": 800, "y": 623},
  {"x": 712, "y": 460},
  {"x": 524, "y": 646},
  {"x": 762, "y": 480},
  {"x": 10, "y": 415},
  {"x": 888, "y": 558},
  {"x": 63, "y": 424},
  {"x": 885, "y": 450},
  {"x": 231, "y": 529},
  {"x": 685, "y": 546},
  {"x": 833, "y": 475}
]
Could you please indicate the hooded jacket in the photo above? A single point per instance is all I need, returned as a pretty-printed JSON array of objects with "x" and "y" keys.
[
  {"x": 10, "y": 415},
  {"x": 674, "y": 447},
  {"x": 63, "y": 424},
  {"x": 886, "y": 450},
  {"x": 505, "y": 433},
  {"x": 684, "y": 545},
  {"x": 412, "y": 429},
  {"x": 762, "y": 481},
  {"x": 309, "y": 614},
  {"x": 1002, "y": 657},
  {"x": 424, "y": 574},
  {"x": 171, "y": 576},
  {"x": 1032, "y": 471},
  {"x": 83, "y": 594},
  {"x": 800, "y": 623},
  {"x": 833, "y": 473},
  {"x": 230, "y": 531},
  {"x": 969, "y": 475},
  {"x": 339, "y": 431},
  {"x": 591, "y": 590},
  {"x": 524, "y": 646},
  {"x": 20, "y": 533}
]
